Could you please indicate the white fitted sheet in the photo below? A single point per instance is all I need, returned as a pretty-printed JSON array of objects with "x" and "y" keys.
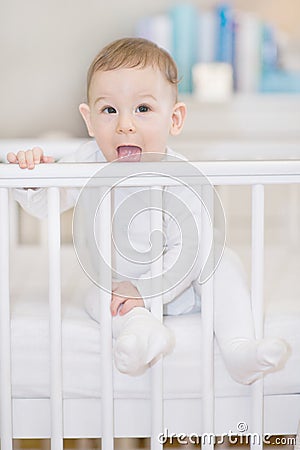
[{"x": 82, "y": 348}]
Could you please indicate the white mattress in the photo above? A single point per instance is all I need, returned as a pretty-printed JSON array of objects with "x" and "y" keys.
[{"x": 81, "y": 340}]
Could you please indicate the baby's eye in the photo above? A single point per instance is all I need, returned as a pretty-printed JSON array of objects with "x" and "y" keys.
[
  {"x": 143, "y": 108},
  {"x": 109, "y": 110}
]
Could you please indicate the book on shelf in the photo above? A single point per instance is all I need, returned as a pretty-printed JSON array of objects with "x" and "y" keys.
[
  {"x": 206, "y": 36},
  {"x": 248, "y": 52},
  {"x": 221, "y": 34},
  {"x": 184, "y": 38},
  {"x": 224, "y": 34},
  {"x": 269, "y": 49}
]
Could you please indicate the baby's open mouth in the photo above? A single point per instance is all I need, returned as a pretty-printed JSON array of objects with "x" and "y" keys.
[{"x": 129, "y": 153}]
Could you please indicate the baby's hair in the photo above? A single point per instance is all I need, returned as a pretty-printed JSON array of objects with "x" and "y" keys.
[{"x": 134, "y": 52}]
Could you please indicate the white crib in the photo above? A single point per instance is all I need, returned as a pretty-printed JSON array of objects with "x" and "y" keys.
[{"x": 76, "y": 392}]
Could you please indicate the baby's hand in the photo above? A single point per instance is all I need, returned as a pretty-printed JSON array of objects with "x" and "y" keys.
[
  {"x": 29, "y": 158},
  {"x": 125, "y": 297}
]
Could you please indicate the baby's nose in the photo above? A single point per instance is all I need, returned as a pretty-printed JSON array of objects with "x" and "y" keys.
[{"x": 125, "y": 125}]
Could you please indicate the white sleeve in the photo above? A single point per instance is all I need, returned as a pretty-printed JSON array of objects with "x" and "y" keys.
[{"x": 34, "y": 201}]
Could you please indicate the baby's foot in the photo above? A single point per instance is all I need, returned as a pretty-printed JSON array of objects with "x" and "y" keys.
[
  {"x": 141, "y": 340},
  {"x": 247, "y": 360},
  {"x": 128, "y": 355}
]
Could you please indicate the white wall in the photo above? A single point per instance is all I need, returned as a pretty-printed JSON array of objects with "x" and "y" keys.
[{"x": 46, "y": 47}]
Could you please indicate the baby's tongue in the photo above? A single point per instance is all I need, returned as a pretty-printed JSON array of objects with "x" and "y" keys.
[{"x": 129, "y": 153}]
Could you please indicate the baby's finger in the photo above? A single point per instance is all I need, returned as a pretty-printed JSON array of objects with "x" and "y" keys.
[
  {"x": 37, "y": 155},
  {"x": 116, "y": 302},
  {"x": 29, "y": 159},
  {"x": 21, "y": 159},
  {"x": 129, "y": 304},
  {"x": 47, "y": 159},
  {"x": 12, "y": 158}
]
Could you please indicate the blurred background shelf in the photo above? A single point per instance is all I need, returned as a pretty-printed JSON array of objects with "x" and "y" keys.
[
  {"x": 257, "y": 125},
  {"x": 253, "y": 116},
  {"x": 43, "y": 72}
]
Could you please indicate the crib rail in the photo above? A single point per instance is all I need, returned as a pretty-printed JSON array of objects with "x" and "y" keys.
[
  {"x": 218, "y": 172},
  {"x": 254, "y": 173}
]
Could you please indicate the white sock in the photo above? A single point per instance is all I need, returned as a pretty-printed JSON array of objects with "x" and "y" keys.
[
  {"x": 140, "y": 340},
  {"x": 247, "y": 360}
]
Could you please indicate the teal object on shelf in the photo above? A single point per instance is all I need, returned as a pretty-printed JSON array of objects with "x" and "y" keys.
[
  {"x": 184, "y": 42},
  {"x": 269, "y": 50},
  {"x": 280, "y": 81}
]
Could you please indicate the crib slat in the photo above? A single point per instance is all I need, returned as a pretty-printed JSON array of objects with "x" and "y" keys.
[
  {"x": 5, "y": 341},
  {"x": 207, "y": 319},
  {"x": 14, "y": 231},
  {"x": 107, "y": 389},
  {"x": 257, "y": 415},
  {"x": 56, "y": 399},
  {"x": 157, "y": 310}
]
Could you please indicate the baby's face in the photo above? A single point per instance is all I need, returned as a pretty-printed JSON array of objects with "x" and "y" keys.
[{"x": 132, "y": 112}]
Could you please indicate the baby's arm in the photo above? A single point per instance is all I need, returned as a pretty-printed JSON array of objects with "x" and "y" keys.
[{"x": 30, "y": 158}]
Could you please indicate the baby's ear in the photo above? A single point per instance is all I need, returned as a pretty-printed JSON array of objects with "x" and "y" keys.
[
  {"x": 178, "y": 118},
  {"x": 86, "y": 114}
]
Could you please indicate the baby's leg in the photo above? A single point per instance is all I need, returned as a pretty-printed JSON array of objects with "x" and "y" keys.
[
  {"x": 140, "y": 339},
  {"x": 246, "y": 358}
]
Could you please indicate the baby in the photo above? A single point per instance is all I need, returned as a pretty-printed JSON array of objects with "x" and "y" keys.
[{"x": 131, "y": 110}]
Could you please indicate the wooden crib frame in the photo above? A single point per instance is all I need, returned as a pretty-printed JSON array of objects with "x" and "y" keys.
[{"x": 59, "y": 418}]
